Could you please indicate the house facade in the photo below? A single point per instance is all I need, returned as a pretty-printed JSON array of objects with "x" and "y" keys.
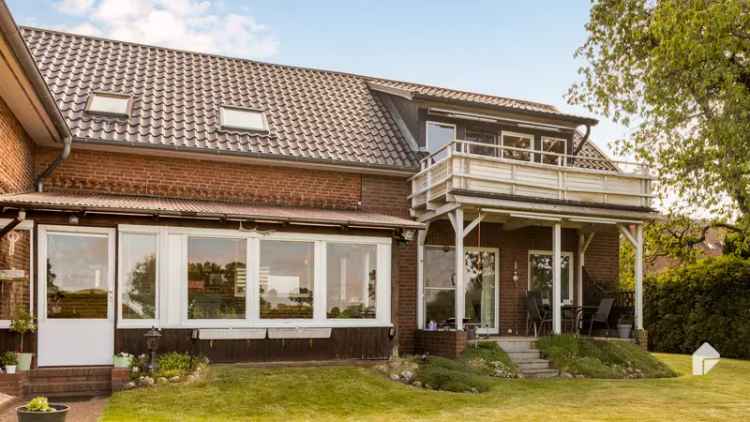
[{"x": 260, "y": 212}]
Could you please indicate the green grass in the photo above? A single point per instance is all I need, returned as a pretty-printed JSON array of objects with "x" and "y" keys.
[
  {"x": 601, "y": 359},
  {"x": 237, "y": 393}
]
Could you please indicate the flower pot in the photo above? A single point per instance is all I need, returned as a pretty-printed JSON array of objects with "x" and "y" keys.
[
  {"x": 10, "y": 369},
  {"x": 122, "y": 361},
  {"x": 624, "y": 330},
  {"x": 24, "y": 361},
  {"x": 57, "y": 415}
]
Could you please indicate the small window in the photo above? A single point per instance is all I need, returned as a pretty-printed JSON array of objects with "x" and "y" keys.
[
  {"x": 242, "y": 118},
  {"x": 554, "y": 146},
  {"x": 439, "y": 135},
  {"x": 481, "y": 138},
  {"x": 515, "y": 143},
  {"x": 112, "y": 104}
]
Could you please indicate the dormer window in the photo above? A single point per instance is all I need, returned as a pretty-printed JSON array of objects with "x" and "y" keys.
[
  {"x": 109, "y": 104},
  {"x": 243, "y": 119}
]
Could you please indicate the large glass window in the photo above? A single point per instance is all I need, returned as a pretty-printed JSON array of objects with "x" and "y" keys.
[
  {"x": 439, "y": 135},
  {"x": 138, "y": 266},
  {"x": 77, "y": 276},
  {"x": 352, "y": 276},
  {"x": 518, "y": 142},
  {"x": 482, "y": 138},
  {"x": 217, "y": 276},
  {"x": 440, "y": 286},
  {"x": 540, "y": 276},
  {"x": 287, "y": 271}
]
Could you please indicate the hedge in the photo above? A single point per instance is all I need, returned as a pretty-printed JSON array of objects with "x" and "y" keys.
[{"x": 706, "y": 301}]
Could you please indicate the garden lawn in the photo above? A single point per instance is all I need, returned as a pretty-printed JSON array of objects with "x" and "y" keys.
[{"x": 354, "y": 393}]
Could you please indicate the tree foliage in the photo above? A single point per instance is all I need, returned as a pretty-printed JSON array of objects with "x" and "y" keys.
[{"x": 678, "y": 72}]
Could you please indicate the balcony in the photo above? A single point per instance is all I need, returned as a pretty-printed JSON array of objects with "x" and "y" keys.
[{"x": 503, "y": 171}]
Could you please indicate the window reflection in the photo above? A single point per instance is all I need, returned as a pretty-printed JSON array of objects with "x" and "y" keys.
[
  {"x": 351, "y": 281},
  {"x": 217, "y": 277},
  {"x": 540, "y": 274},
  {"x": 139, "y": 269},
  {"x": 286, "y": 279}
]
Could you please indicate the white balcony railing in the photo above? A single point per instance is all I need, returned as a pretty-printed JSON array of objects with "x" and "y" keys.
[{"x": 487, "y": 168}]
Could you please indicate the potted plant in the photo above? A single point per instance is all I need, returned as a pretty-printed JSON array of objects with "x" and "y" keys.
[
  {"x": 624, "y": 326},
  {"x": 123, "y": 360},
  {"x": 9, "y": 361},
  {"x": 23, "y": 323},
  {"x": 40, "y": 410}
]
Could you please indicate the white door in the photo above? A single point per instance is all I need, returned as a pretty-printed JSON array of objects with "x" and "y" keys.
[
  {"x": 482, "y": 291},
  {"x": 76, "y": 279}
]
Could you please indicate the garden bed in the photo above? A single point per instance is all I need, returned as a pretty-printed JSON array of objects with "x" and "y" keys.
[{"x": 585, "y": 357}]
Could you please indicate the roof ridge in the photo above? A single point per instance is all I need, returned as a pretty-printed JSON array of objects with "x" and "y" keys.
[{"x": 288, "y": 66}]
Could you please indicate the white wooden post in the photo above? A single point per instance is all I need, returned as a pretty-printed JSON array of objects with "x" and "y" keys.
[
  {"x": 579, "y": 272},
  {"x": 556, "y": 282},
  {"x": 421, "y": 236},
  {"x": 639, "y": 277},
  {"x": 458, "y": 227}
]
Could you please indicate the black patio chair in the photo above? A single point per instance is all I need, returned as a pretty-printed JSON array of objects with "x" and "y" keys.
[
  {"x": 537, "y": 315},
  {"x": 602, "y": 314}
]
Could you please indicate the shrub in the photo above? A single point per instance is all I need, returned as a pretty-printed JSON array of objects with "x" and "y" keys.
[
  {"x": 450, "y": 375},
  {"x": 8, "y": 359},
  {"x": 174, "y": 363},
  {"x": 708, "y": 301},
  {"x": 39, "y": 404},
  {"x": 601, "y": 359}
]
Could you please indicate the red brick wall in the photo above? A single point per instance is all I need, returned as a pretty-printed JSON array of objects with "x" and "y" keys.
[
  {"x": 602, "y": 260},
  {"x": 107, "y": 172},
  {"x": 17, "y": 169},
  {"x": 448, "y": 344}
]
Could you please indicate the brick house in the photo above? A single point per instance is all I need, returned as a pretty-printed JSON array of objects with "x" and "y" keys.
[{"x": 261, "y": 212}]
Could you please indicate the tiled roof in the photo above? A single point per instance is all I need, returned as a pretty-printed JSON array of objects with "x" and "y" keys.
[
  {"x": 192, "y": 208},
  {"x": 476, "y": 98},
  {"x": 312, "y": 114}
]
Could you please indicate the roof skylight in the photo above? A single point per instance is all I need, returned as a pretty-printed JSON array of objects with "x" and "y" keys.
[
  {"x": 243, "y": 118},
  {"x": 111, "y": 104}
]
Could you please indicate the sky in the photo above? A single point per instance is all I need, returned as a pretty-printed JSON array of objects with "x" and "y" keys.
[{"x": 507, "y": 48}]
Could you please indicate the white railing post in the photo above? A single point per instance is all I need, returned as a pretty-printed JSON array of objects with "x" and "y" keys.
[
  {"x": 638, "y": 277},
  {"x": 459, "y": 267}
]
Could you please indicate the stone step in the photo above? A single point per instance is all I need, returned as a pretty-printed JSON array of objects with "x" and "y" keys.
[
  {"x": 541, "y": 373},
  {"x": 539, "y": 364},
  {"x": 521, "y": 356}
]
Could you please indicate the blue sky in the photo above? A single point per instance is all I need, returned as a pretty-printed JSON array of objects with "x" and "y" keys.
[{"x": 513, "y": 49}]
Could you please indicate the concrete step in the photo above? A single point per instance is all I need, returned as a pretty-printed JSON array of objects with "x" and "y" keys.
[
  {"x": 527, "y": 366},
  {"x": 521, "y": 356},
  {"x": 541, "y": 373},
  {"x": 520, "y": 344}
]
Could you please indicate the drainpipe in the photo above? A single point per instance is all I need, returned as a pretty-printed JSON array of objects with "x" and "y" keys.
[
  {"x": 39, "y": 182},
  {"x": 583, "y": 141}
]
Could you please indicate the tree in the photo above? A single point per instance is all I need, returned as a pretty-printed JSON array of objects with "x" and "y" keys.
[{"x": 679, "y": 72}]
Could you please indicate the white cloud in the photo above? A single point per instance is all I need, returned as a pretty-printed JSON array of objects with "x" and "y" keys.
[
  {"x": 183, "y": 24},
  {"x": 74, "y": 7}
]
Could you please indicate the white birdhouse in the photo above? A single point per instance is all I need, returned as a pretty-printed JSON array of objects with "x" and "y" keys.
[{"x": 704, "y": 359}]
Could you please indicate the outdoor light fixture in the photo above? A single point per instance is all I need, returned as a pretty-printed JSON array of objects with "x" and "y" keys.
[
  {"x": 515, "y": 273},
  {"x": 152, "y": 344},
  {"x": 73, "y": 219},
  {"x": 408, "y": 234}
]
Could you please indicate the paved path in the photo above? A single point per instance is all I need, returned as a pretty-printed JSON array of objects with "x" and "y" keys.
[{"x": 84, "y": 410}]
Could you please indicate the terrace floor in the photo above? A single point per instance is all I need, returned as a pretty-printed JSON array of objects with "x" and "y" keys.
[{"x": 358, "y": 393}]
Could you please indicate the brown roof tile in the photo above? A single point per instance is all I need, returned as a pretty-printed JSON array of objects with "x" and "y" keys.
[{"x": 188, "y": 207}]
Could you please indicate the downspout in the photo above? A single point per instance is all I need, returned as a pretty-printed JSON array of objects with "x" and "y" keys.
[
  {"x": 583, "y": 141},
  {"x": 39, "y": 182}
]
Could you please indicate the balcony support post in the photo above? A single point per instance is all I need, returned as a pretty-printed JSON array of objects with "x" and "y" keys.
[
  {"x": 556, "y": 280},
  {"x": 458, "y": 227}
]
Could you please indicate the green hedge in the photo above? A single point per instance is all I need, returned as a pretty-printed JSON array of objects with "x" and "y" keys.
[{"x": 706, "y": 301}]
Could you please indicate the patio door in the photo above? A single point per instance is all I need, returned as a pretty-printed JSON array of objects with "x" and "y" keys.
[
  {"x": 76, "y": 279},
  {"x": 481, "y": 278}
]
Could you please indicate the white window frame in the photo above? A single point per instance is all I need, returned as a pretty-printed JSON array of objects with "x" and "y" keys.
[
  {"x": 563, "y": 158},
  {"x": 528, "y": 136},
  {"x": 427, "y": 132},
  {"x": 159, "y": 232},
  {"x": 225, "y": 125},
  {"x": 173, "y": 289},
  {"x": 27, "y": 225},
  {"x": 571, "y": 265},
  {"x": 324, "y": 300},
  {"x": 127, "y": 98}
]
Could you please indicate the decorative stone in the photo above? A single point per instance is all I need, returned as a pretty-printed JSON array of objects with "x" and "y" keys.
[
  {"x": 407, "y": 375},
  {"x": 175, "y": 378},
  {"x": 428, "y": 386},
  {"x": 417, "y": 384},
  {"x": 146, "y": 381},
  {"x": 129, "y": 386},
  {"x": 191, "y": 378},
  {"x": 566, "y": 375},
  {"x": 474, "y": 390},
  {"x": 395, "y": 377},
  {"x": 162, "y": 380},
  {"x": 580, "y": 376}
]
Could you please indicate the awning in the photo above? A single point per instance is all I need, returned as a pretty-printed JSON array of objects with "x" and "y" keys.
[{"x": 188, "y": 208}]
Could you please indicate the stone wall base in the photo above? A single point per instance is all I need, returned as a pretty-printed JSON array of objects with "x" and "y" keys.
[{"x": 641, "y": 338}]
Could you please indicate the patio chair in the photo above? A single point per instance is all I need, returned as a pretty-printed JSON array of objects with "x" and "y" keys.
[
  {"x": 602, "y": 313},
  {"x": 537, "y": 316}
]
